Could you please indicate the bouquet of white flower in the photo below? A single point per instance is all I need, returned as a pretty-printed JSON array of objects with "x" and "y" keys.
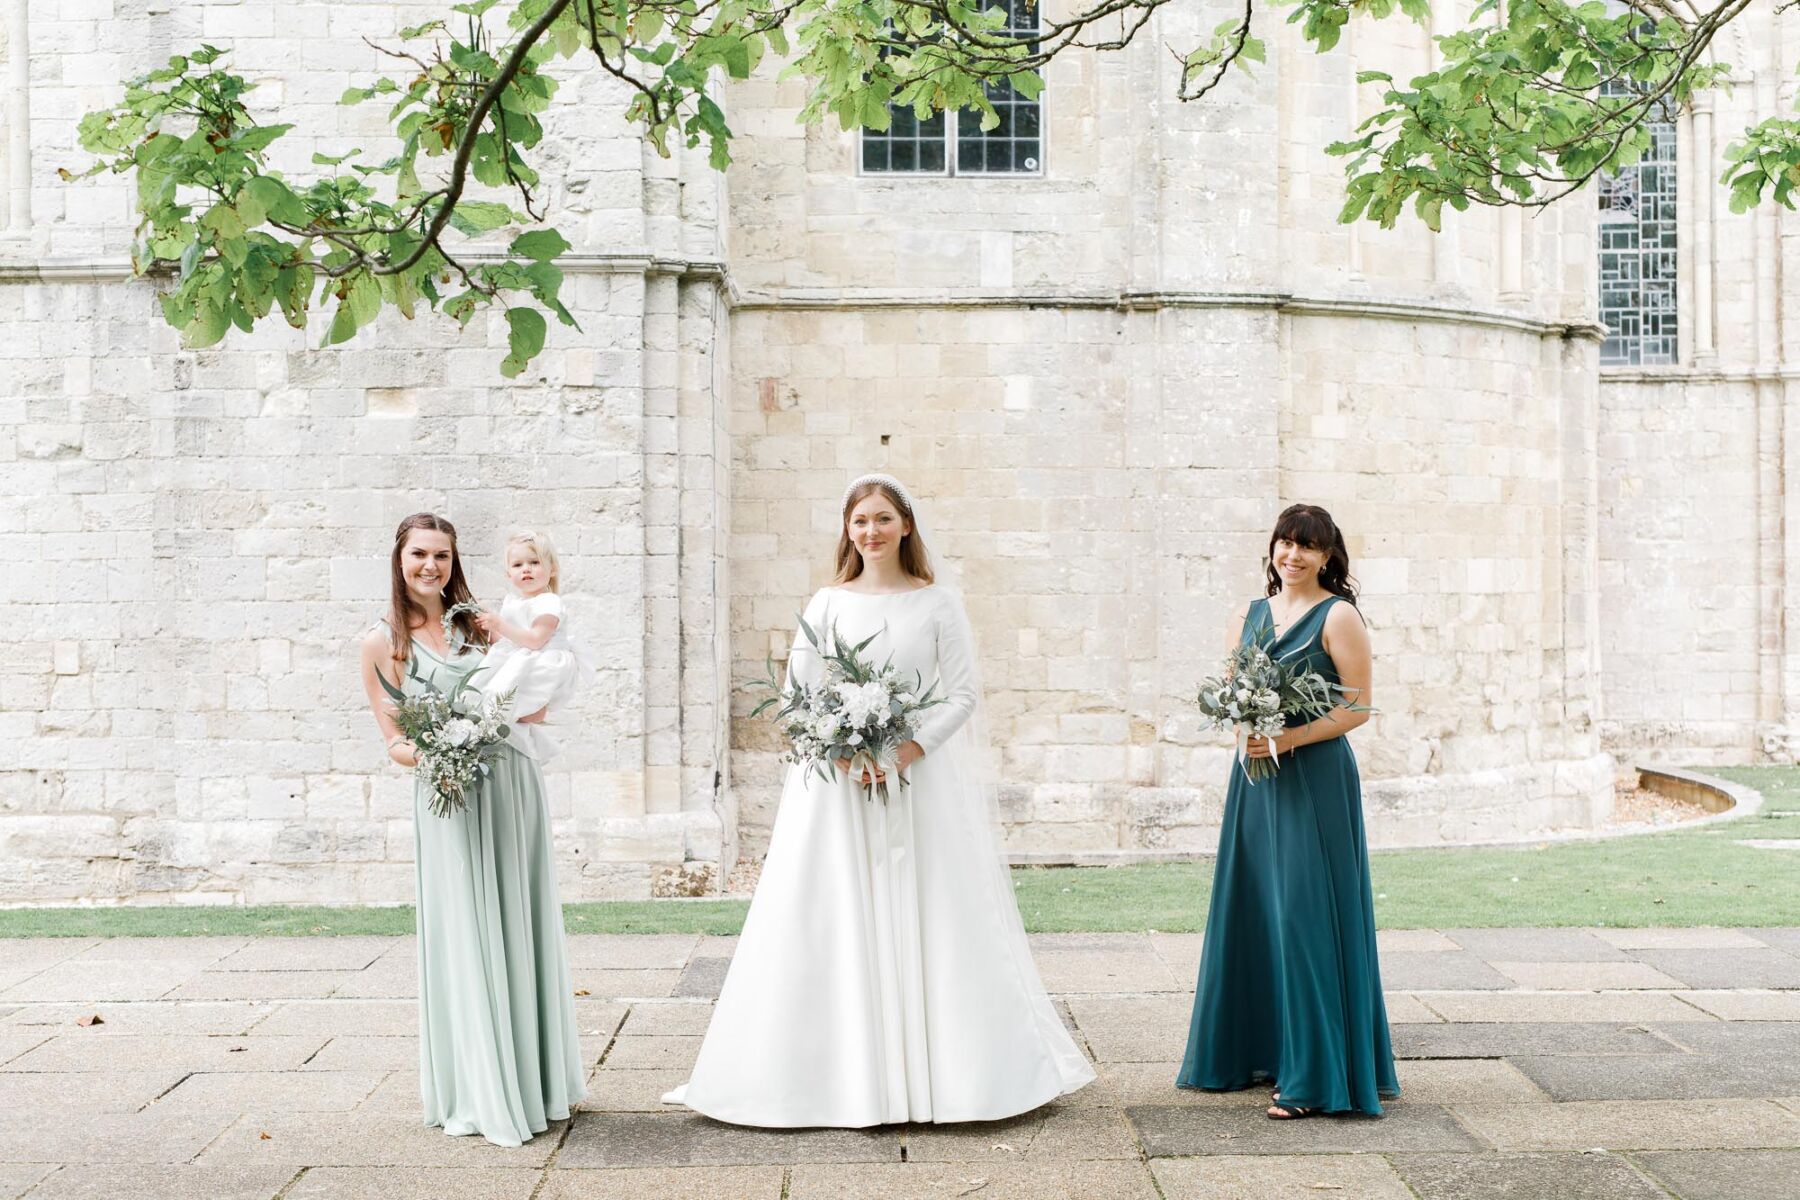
[
  {"x": 454, "y": 732},
  {"x": 856, "y": 711},
  {"x": 1255, "y": 695}
]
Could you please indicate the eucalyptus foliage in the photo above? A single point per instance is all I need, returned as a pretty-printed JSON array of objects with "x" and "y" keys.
[{"x": 1531, "y": 99}]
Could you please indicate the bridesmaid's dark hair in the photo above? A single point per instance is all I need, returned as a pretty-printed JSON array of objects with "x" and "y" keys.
[
  {"x": 1310, "y": 526},
  {"x": 403, "y": 612}
]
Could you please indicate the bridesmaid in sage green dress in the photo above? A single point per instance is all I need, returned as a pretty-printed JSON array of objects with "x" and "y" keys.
[
  {"x": 498, "y": 1051},
  {"x": 1289, "y": 989}
]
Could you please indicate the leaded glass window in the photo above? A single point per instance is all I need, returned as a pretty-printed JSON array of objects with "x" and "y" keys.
[
  {"x": 1637, "y": 253},
  {"x": 955, "y": 143}
]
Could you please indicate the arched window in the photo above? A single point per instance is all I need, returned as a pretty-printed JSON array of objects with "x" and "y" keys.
[{"x": 1637, "y": 253}]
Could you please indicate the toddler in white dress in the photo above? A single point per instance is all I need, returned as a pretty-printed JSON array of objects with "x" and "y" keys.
[{"x": 532, "y": 654}]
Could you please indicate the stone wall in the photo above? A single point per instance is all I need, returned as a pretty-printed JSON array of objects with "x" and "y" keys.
[
  {"x": 1106, "y": 381},
  {"x": 195, "y": 541}
]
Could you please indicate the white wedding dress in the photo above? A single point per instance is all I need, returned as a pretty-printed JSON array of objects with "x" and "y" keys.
[{"x": 883, "y": 975}]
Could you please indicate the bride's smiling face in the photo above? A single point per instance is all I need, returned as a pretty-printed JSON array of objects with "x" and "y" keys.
[
  {"x": 876, "y": 527},
  {"x": 425, "y": 564}
]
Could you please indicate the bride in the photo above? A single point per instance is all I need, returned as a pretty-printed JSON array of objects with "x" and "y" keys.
[{"x": 883, "y": 974}]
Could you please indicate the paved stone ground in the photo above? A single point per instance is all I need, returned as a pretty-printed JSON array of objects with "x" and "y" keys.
[{"x": 1537, "y": 1063}]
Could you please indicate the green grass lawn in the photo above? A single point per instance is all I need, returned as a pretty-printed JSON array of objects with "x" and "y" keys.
[{"x": 1686, "y": 877}]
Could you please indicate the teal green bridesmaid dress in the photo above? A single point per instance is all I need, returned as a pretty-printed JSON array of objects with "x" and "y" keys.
[
  {"x": 1289, "y": 988},
  {"x": 498, "y": 1050}
]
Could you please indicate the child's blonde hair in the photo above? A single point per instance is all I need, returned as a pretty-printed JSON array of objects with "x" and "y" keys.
[{"x": 546, "y": 552}]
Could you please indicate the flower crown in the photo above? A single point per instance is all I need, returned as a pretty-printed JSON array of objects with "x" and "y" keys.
[{"x": 887, "y": 481}]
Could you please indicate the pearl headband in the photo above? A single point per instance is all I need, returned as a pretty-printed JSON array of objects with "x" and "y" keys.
[{"x": 887, "y": 481}]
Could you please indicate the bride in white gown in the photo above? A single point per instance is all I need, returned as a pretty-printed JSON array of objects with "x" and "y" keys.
[{"x": 883, "y": 974}]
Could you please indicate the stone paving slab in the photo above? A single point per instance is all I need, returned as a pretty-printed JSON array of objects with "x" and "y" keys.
[
  {"x": 1537, "y": 945},
  {"x": 1180, "y": 952},
  {"x": 1403, "y": 1008},
  {"x": 1722, "y": 1175},
  {"x": 92, "y": 1050},
  {"x": 1608, "y": 976},
  {"x": 1559, "y": 1006},
  {"x": 1073, "y": 968},
  {"x": 128, "y": 1138},
  {"x": 16, "y": 1043},
  {"x": 16, "y": 1178},
  {"x": 1390, "y": 940},
  {"x": 986, "y": 1180},
  {"x": 1174, "y": 1131},
  {"x": 623, "y": 985},
  {"x": 1625, "y": 1125},
  {"x": 1454, "y": 1080},
  {"x": 615, "y": 1090},
  {"x": 663, "y": 1183},
  {"x": 356, "y": 1053},
  {"x": 1050, "y": 1133},
  {"x": 1499, "y": 1040},
  {"x": 308, "y": 954},
  {"x": 632, "y": 951},
  {"x": 1680, "y": 939},
  {"x": 1747, "y": 1005},
  {"x": 42, "y": 951},
  {"x": 1431, "y": 970},
  {"x": 688, "y": 1139},
  {"x": 261, "y": 985},
  {"x": 331, "y": 1018},
  {"x": 1511, "y": 1176},
  {"x": 1726, "y": 968},
  {"x": 366, "y": 1139},
  {"x": 1781, "y": 938},
  {"x": 1262, "y": 1177},
  {"x": 271, "y": 1093},
  {"x": 653, "y": 1053},
  {"x": 418, "y": 1183},
  {"x": 1133, "y": 1028},
  {"x": 58, "y": 1094},
  {"x": 160, "y": 949},
  {"x": 395, "y": 977},
  {"x": 667, "y": 1018},
  {"x": 98, "y": 982},
  {"x": 147, "y": 1017},
  {"x": 703, "y": 977},
  {"x": 162, "y": 1182},
  {"x": 1658, "y": 1077}
]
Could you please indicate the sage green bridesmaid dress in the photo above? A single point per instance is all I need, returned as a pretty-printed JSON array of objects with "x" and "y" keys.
[
  {"x": 1289, "y": 988},
  {"x": 498, "y": 1050}
]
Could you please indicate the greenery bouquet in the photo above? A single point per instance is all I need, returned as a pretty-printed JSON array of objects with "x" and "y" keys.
[
  {"x": 856, "y": 711},
  {"x": 1256, "y": 693},
  {"x": 455, "y": 732}
]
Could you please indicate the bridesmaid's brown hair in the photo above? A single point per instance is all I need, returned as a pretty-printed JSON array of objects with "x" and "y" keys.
[{"x": 403, "y": 613}]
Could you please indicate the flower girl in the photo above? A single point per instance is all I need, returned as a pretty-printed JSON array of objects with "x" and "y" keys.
[{"x": 533, "y": 655}]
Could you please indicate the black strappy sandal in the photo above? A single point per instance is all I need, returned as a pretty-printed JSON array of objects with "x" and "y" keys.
[{"x": 1290, "y": 1112}]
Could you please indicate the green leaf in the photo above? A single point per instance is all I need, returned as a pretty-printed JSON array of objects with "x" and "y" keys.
[
  {"x": 540, "y": 245},
  {"x": 475, "y": 217},
  {"x": 525, "y": 335}
]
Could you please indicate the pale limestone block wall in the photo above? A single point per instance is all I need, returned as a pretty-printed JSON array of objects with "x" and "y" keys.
[
  {"x": 1696, "y": 511},
  {"x": 195, "y": 541},
  {"x": 1106, "y": 435}
]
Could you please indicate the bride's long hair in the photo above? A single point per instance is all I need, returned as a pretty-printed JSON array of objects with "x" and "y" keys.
[
  {"x": 1310, "y": 526},
  {"x": 914, "y": 559},
  {"x": 403, "y": 611}
]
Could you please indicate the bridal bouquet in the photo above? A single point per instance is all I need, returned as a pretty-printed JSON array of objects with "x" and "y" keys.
[
  {"x": 1255, "y": 695},
  {"x": 856, "y": 711},
  {"x": 455, "y": 733}
]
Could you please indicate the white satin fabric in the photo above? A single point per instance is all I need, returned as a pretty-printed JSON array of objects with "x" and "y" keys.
[{"x": 883, "y": 974}]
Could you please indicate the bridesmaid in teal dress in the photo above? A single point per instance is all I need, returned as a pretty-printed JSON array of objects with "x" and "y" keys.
[
  {"x": 498, "y": 1051},
  {"x": 1289, "y": 989}
]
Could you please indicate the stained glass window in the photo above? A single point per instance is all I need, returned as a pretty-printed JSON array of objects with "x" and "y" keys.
[
  {"x": 1637, "y": 254},
  {"x": 955, "y": 143}
]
